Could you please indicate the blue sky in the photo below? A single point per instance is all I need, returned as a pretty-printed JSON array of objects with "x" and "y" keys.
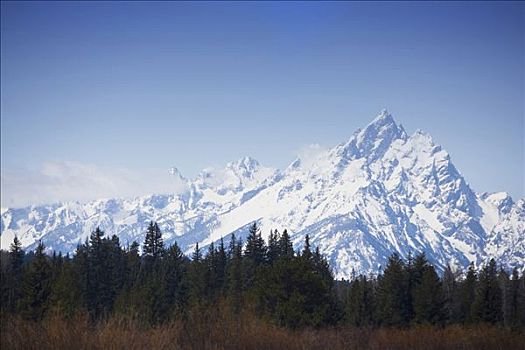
[{"x": 143, "y": 86}]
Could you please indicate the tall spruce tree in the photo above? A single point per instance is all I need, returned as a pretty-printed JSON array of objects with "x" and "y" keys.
[
  {"x": 451, "y": 303},
  {"x": 12, "y": 276},
  {"x": 96, "y": 275},
  {"x": 197, "y": 278},
  {"x": 286, "y": 246},
  {"x": 488, "y": 300},
  {"x": 273, "y": 247},
  {"x": 427, "y": 297},
  {"x": 220, "y": 268},
  {"x": 153, "y": 243},
  {"x": 467, "y": 294},
  {"x": 359, "y": 303},
  {"x": 254, "y": 255},
  {"x": 36, "y": 286},
  {"x": 307, "y": 251},
  {"x": 515, "y": 313},
  {"x": 235, "y": 275},
  {"x": 392, "y": 293},
  {"x": 174, "y": 269}
]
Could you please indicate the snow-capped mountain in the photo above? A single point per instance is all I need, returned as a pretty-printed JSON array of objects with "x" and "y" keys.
[{"x": 379, "y": 192}]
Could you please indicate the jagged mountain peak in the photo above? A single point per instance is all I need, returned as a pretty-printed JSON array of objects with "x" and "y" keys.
[
  {"x": 377, "y": 193},
  {"x": 245, "y": 164},
  {"x": 373, "y": 141}
]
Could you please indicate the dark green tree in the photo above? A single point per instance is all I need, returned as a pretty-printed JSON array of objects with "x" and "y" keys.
[
  {"x": 12, "y": 270},
  {"x": 487, "y": 305},
  {"x": 273, "y": 247},
  {"x": 359, "y": 303},
  {"x": 197, "y": 278},
  {"x": 254, "y": 255},
  {"x": 235, "y": 275},
  {"x": 286, "y": 246},
  {"x": 451, "y": 302},
  {"x": 467, "y": 294},
  {"x": 153, "y": 243},
  {"x": 427, "y": 297},
  {"x": 392, "y": 293},
  {"x": 36, "y": 286}
]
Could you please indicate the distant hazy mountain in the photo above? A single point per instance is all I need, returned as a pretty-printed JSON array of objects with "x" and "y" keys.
[{"x": 379, "y": 192}]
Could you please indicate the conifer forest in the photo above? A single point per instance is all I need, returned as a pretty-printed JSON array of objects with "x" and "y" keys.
[{"x": 252, "y": 294}]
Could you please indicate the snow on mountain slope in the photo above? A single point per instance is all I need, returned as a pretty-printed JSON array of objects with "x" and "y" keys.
[{"x": 379, "y": 192}]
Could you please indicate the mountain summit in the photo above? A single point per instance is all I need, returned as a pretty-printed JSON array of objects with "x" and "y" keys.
[{"x": 380, "y": 192}]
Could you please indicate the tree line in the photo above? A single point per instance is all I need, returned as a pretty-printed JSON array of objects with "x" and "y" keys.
[{"x": 156, "y": 283}]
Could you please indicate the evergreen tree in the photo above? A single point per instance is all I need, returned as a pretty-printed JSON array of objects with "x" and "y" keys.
[
  {"x": 359, "y": 303},
  {"x": 211, "y": 268},
  {"x": 66, "y": 296},
  {"x": 467, "y": 294},
  {"x": 254, "y": 255},
  {"x": 392, "y": 293},
  {"x": 515, "y": 303},
  {"x": 255, "y": 250},
  {"x": 307, "y": 252},
  {"x": 285, "y": 246},
  {"x": 235, "y": 275},
  {"x": 221, "y": 268},
  {"x": 273, "y": 247},
  {"x": 12, "y": 276},
  {"x": 174, "y": 274},
  {"x": 153, "y": 243},
  {"x": 488, "y": 300},
  {"x": 96, "y": 283},
  {"x": 427, "y": 297},
  {"x": 451, "y": 305},
  {"x": 520, "y": 302},
  {"x": 36, "y": 286},
  {"x": 294, "y": 293},
  {"x": 197, "y": 278},
  {"x": 132, "y": 265}
]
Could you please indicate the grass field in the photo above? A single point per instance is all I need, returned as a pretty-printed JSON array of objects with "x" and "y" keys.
[{"x": 241, "y": 332}]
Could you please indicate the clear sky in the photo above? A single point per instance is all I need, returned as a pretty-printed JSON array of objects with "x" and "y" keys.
[{"x": 128, "y": 90}]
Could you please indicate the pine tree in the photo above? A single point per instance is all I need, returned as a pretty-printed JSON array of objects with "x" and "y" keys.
[
  {"x": 132, "y": 258},
  {"x": 12, "y": 276},
  {"x": 295, "y": 294},
  {"x": 36, "y": 286},
  {"x": 210, "y": 265},
  {"x": 197, "y": 278},
  {"x": 451, "y": 304},
  {"x": 488, "y": 300},
  {"x": 359, "y": 303},
  {"x": 286, "y": 246},
  {"x": 515, "y": 302},
  {"x": 174, "y": 274},
  {"x": 113, "y": 278},
  {"x": 467, "y": 294},
  {"x": 307, "y": 252},
  {"x": 273, "y": 247},
  {"x": 221, "y": 266},
  {"x": 520, "y": 303},
  {"x": 322, "y": 267},
  {"x": 254, "y": 255},
  {"x": 235, "y": 275},
  {"x": 153, "y": 244},
  {"x": 255, "y": 250},
  {"x": 427, "y": 297},
  {"x": 392, "y": 293},
  {"x": 65, "y": 295},
  {"x": 81, "y": 268}
]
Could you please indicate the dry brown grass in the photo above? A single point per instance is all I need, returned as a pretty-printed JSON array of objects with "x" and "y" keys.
[{"x": 224, "y": 331}]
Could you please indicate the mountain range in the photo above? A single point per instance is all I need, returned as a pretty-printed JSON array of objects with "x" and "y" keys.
[{"x": 380, "y": 192}]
